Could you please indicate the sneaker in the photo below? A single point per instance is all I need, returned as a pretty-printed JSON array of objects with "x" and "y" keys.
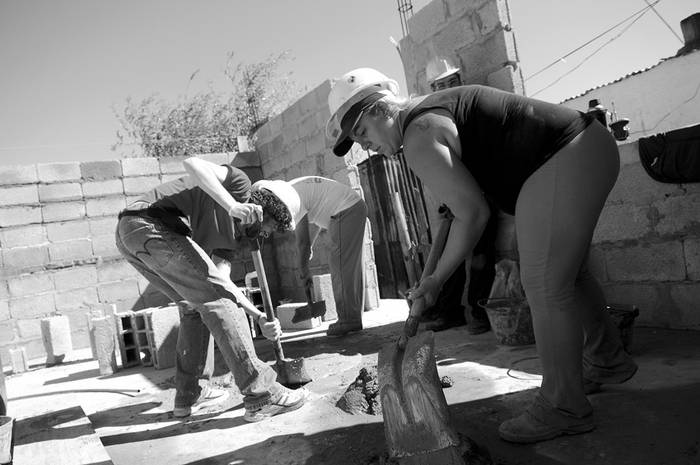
[
  {"x": 341, "y": 328},
  {"x": 441, "y": 323},
  {"x": 288, "y": 401},
  {"x": 209, "y": 397}
]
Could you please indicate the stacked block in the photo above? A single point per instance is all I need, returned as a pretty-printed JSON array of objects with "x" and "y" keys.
[
  {"x": 55, "y": 334},
  {"x": 143, "y": 345},
  {"x": 285, "y": 313},
  {"x": 162, "y": 326},
  {"x": 103, "y": 337},
  {"x": 323, "y": 290},
  {"x": 129, "y": 350},
  {"x": 18, "y": 360}
]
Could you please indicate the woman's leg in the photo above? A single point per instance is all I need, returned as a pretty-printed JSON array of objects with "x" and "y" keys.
[
  {"x": 185, "y": 267},
  {"x": 556, "y": 214}
]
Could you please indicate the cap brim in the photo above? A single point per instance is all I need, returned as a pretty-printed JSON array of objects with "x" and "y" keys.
[{"x": 343, "y": 142}]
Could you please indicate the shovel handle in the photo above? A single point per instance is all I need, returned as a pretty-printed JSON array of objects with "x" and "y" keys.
[
  {"x": 265, "y": 291},
  {"x": 410, "y": 327}
]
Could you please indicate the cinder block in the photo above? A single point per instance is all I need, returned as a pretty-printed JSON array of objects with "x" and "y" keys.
[
  {"x": 18, "y": 174},
  {"x": 118, "y": 290},
  {"x": 19, "y": 195},
  {"x": 85, "y": 297},
  {"x": 68, "y": 230},
  {"x": 23, "y": 258},
  {"x": 691, "y": 250},
  {"x": 63, "y": 211},
  {"x": 285, "y": 313},
  {"x": 19, "y": 216},
  {"x": 56, "y": 172},
  {"x": 163, "y": 324},
  {"x": 55, "y": 334},
  {"x": 115, "y": 271},
  {"x": 30, "y": 284},
  {"x": 100, "y": 170},
  {"x": 140, "y": 166},
  {"x": 647, "y": 262},
  {"x": 4, "y": 310},
  {"x": 33, "y": 306},
  {"x": 60, "y": 192},
  {"x": 103, "y": 226},
  {"x": 78, "y": 249},
  {"x": 172, "y": 165},
  {"x": 18, "y": 360},
  {"x": 28, "y": 328},
  {"x": 23, "y": 236},
  {"x": 126, "y": 337},
  {"x": 105, "y": 206},
  {"x": 141, "y": 184},
  {"x": 75, "y": 277},
  {"x": 104, "y": 246},
  {"x": 102, "y": 329},
  {"x": 427, "y": 21},
  {"x": 103, "y": 188},
  {"x": 685, "y": 298},
  {"x": 678, "y": 215},
  {"x": 216, "y": 158},
  {"x": 622, "y": 222}
]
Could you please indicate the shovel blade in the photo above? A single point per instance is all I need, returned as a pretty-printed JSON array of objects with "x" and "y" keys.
[{"x": 291, "y": 373}]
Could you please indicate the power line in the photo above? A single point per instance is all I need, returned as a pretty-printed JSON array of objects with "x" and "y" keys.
[
  {"x": 664, "y": 21},
  {"x": 643, "y": 10},
  {"x": 591, "y": 55}
]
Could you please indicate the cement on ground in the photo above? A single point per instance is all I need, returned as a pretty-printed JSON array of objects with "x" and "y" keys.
[{"x": 652, "y": 419}]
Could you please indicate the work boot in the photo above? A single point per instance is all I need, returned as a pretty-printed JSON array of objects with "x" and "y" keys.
[
  {"x": 287, "y": 400},
  {"x": 592, "y": 387},
  {"x": 443, "y": 322},
  {"x": 541, "y": 422},
  {"x": 209, "y": 397},
  {"x": 341, "y": 328}
]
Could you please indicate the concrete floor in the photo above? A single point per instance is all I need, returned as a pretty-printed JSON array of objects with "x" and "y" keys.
[{"x": 652, "y": 420}]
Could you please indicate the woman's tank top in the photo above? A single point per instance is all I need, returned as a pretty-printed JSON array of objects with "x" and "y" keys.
[{"x": 505, "y": 137}]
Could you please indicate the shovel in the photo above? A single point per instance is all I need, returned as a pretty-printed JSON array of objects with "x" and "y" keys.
[
  {"x": 417, "y": 422},
  {"x": 312, "y": 310},
  {"x": 290, "y": 373}
]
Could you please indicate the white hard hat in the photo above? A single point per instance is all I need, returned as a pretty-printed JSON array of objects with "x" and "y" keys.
[
  {"x": 355, "y": 90},
  {"x": 284, "y": 192},
  {"x": 439, "y": 68}
]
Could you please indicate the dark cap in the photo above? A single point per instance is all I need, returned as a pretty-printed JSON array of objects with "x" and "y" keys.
[{"x": 350, "y": 118}]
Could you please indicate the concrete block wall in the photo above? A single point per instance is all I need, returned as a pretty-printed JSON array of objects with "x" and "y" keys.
[
  {"x": 58, "y": 255},
  {"x": 475, "y": 35},
  {"x": 646, "y": 247},
  {"x": 291, "y": 145}
]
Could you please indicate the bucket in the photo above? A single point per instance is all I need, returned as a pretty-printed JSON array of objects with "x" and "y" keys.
[{"x": 510, "y": 321}]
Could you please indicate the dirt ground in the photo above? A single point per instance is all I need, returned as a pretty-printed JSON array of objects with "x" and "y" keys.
[{"x": 651, "y": 420}]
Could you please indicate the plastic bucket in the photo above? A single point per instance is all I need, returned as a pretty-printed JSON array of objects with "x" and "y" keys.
[{"x": 510, "y": 321}]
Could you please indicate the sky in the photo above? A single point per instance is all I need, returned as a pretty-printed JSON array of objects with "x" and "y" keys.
[{"x": 65, "y": 64}]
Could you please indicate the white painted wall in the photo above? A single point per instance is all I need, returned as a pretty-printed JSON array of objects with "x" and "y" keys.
[{"x": 660, "y": 99}]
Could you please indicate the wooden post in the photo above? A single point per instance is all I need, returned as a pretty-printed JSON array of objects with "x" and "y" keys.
[
  {"x": 409, "y": 259},
  {"x": 416, "y": 419}
]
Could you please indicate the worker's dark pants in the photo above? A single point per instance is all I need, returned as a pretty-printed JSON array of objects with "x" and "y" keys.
[
  {"x": 179, "y": 268},
  {"x": 347, "y": 232},
  {"x": 556, "y": 212}
]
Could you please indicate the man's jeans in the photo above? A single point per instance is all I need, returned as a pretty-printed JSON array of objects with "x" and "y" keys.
[{"x": 179, "y": 268}]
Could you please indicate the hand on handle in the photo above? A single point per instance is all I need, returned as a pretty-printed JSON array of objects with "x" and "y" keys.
[{"x": 410, "y": 327}]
